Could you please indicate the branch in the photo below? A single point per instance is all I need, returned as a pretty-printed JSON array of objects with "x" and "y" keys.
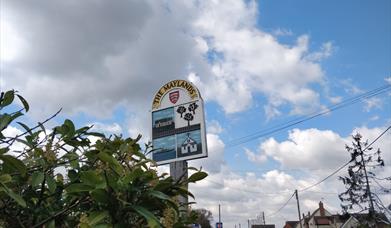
[
  {"x": 76, "y": 202},
  {"x": 37, "y": 126}
]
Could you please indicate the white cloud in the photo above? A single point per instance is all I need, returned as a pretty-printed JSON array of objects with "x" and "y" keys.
[
  {"x": 350, "y": 88},
  {"x": 11, "y": 132},
  {"x": 326, "y": 50},
  {"x": 112, "y": 128},
  {"x": 282, "y": 32},
  {"x": 310, "y": 149},
  {"x": 248, "y": 60},
  {"x": 256, "y": 158},
  {"x": 214, "y": 127},
  {"x": 371, "y": 103},
  {"x": 335, "y": 100},
  {"x": 121, "y": 53}
]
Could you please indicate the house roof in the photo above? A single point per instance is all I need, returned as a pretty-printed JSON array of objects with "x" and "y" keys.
[
  {"x": 291, "y": 223},
  {"x": 263, "y": 226},
  {"x": 323, "y": 220}
]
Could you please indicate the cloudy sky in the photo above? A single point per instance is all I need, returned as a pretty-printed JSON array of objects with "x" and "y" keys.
[{"x": 260, "y": 66}]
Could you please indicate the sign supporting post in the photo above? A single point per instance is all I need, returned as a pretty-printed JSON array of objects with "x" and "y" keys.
[{"x": 178, "y": 170}]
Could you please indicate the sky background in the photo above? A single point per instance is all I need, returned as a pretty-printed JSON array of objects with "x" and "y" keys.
[{"x": 258, "y": 65}]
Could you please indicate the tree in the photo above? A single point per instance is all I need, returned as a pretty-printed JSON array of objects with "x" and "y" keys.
[
  {"x": 204, "y": 217},
  {"x": 181, "y": 110},
  {"x": 358, "y": 192},
  {"x": 62, "y": 178},
  {"x": 188, "y": 117},
  {"x": 193, "y": 107}
]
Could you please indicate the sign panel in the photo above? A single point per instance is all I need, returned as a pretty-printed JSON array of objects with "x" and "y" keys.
[
  {"x": 219, "y": 225},
  {"x": 178, "y": 123}
]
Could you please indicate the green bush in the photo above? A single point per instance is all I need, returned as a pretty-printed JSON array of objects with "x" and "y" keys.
[{"x": 62, "y": 179}]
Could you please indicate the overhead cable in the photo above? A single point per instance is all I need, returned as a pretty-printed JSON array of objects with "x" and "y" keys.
[{"x": 277, "y": 128}]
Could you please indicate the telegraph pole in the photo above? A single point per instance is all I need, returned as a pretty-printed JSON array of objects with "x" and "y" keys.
[
  {"x": 178, "y": 170},
  {"x": 263, "y": 217},
  {"x": 219, "y": 213},
  {"x": 298, "y": 208}
]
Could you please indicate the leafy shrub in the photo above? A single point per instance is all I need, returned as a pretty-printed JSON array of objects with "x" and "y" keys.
[{"x": 62, "y": 178}]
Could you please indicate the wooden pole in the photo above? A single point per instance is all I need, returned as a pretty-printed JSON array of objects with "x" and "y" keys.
[
  {"x": 298, "y": 208},
  {"x": 178, "y": 170}
]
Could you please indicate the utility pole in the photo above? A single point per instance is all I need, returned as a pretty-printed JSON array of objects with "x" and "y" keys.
[
  {"x": 263, "y": 217},
  {"x": 178, "y": 170},
  {"x": 219, "y": 214},
  {"x": 248, "y": 223},
  {"x": 298, "y": 208}
]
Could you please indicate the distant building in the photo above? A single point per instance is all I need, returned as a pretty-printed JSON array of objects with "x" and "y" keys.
[
  {"x": 291, "y": 224},
  {"x": 263, "y": 226},
  {"x": 321, "y": 218}
]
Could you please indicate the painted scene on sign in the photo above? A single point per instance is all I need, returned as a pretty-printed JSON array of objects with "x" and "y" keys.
[
  {"x": 189, "y": 143},
  {"x": 163, "y": 121},
  {"x": 164, "y": 148}
]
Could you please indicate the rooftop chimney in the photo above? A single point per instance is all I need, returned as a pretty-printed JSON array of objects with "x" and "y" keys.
[{"x": 321, "y": 209}]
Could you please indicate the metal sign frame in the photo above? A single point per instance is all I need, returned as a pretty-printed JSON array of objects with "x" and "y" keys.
[{"x": 178, "y": 128}]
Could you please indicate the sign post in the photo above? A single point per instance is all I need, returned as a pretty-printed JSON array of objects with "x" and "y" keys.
[{"x": 178, "y": 127}]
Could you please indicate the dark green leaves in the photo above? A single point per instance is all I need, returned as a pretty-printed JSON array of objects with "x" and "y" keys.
[
  {"x": 62, "y": 179},
  {"x": 13, "y": 164},
  {"x": 76, "y": 188},
  {"x": 151, "y": 218},
  {"x": 13, "y": 195},
  {"x": 52, "y": 185},
  {"x": 24, "y": 103},
  {"x": 37, "y": 178},
  {"x": 7, "y": 98},
  {"x": 113, "y": 163},
  {"x": 197, "y": 177}
]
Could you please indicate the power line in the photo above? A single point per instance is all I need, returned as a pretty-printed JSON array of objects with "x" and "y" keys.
[
  {"x": 344, "y": 165},
  {"x": 248, "y": 191},
  {"x": 274, "y": 213},
  {"x": 271, "y": 130}
]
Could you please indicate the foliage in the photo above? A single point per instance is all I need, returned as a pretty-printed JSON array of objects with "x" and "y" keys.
[
  {"x": 204, "y": 218},
  {"x": 73, "y": 177},
  {"x": 360, "y": 177}
]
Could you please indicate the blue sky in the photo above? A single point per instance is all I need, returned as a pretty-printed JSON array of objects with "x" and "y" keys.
[{"x": 258, "y": 64}]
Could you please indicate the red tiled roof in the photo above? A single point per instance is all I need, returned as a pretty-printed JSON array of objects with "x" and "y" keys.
[{"x": 322, "y": 220}]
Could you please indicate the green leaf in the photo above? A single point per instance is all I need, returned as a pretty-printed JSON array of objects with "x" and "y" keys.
[
  {"x": 96, "y": 217},
  {"x": 24, "y": 102},
  {"x": 114, "y": 164},
  {"x": 100, "y": 135},
  {"x": 184, "y": 192},
  {"x": 5, "y": 178},
  {"x": 26, "y": 128},
  {"x": 50, "y": 224},
  {"x": 8, "y": 98},
  {"x": 73, "y": 188},
  {"x": 52, "y": 185},
  {"x": 5, "y": 119},
  {"x": 4, "y": 150},
  {"x": 13, "y": 163},
  {"x": 13, "y": 195},
  {"x": 151, "y": 218},
  {"x": 93, "y": 179},
  {"x": 71, "y": 127},
  {"x": 197, "y": 177},
  {"x": 73, "y": 175},
  {"x": 100, "y": 196},
  {"x": 159, "y": 195},
  {"x": 37, "y": 178}
]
